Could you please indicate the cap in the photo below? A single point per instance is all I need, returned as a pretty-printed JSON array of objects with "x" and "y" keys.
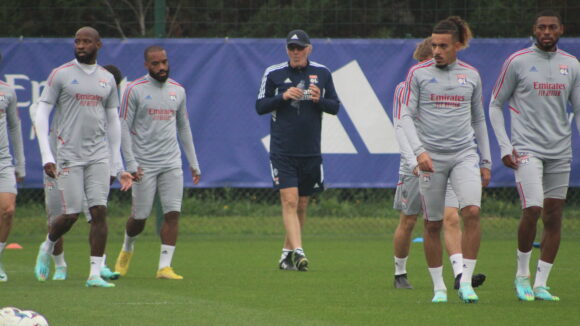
[{"x": 298, "y": 37}]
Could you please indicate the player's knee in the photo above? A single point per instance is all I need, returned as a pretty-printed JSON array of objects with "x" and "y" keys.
[
  {"x": 532, "y": 212},
  {"x": 433, "y": 226},
  {"x": 8, "y": 213},
  {"x": 70, "y": 218},
  {"x": 470, "y": 212},
  {"x": 408, "y": 223},
  {"x": 171, "y": 217}
]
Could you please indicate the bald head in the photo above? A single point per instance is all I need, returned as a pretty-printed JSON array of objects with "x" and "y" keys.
[
  {"x": 87, "y": 44},
  {"x": 90, "y": 32}
]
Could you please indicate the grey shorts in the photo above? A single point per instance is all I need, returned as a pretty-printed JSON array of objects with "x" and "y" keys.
[
  {"x": 75, "y": 182},
  {"x": 8, "y": 180},
  {"x": 537, "y": 179},
  {"x": 169, "y": 185},
  {"x": 462, "y": 171},
  {"x": 53, "y": 200},
  {"x": 408, "y": 198}
]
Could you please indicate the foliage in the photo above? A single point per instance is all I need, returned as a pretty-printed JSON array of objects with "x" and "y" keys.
[{"x": 274, "y": 18}]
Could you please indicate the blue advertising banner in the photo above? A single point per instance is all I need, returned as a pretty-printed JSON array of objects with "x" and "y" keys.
[{"x": 222, "y": 78}]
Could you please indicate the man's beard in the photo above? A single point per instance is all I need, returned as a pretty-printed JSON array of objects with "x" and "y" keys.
[
  {"x": 547, "y": 48},
  {"x": 158, "y": 77},
  {"x": 88, "y": 58}
]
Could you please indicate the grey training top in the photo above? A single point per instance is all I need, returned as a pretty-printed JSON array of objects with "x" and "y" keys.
[
  {"x": 80, "y": 99},
  {"x": 443, "y": 110},
  {"x": 408, "y": 158},
  {"x": 10, "y": 126},
  {"x": 152, "y": 114},
  {"x": 537, "y": 85}
]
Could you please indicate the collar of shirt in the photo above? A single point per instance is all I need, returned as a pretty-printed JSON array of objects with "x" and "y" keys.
[
  {"x": 89, "y": 69},
  {"x": 543, "y": 53}
]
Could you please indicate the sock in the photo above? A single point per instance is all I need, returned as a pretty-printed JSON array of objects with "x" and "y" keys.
[
  {"x": 96, "y": 266},
  {"x": 457, "y": 264},
  {"x": 400, "y": 265},
  {"x": 468, "y": 268},
  {"x": 542, "y": 273},
  {"x": 285, "y": 253},
  {"x": 300, "y": 251},
  {"x": 129, "y": 243},
  {"x": 437, "y": 277},
  {"x": 523, "y": 264},
  {"x": 47, "y": 245},
  {"x": 2, "y": 245},
  {"x": 59, "y": 260},
  {"x": 104, "y": 262},
  {"x": 166, "y": 256}
]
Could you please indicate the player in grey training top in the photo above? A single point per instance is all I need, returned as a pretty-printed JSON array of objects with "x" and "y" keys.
[
  {"x": 153, "y": 113},
  {"x": 408, "y": 201},
  {"x": 10, "y": 173},
  {"x": 538, "y": 82},
  {"x": 446, "y": 94},
  {"x": 87, "y": 130}
]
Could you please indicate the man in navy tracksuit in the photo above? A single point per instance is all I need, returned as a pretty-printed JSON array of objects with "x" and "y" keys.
[{"x": 296, "y": 93}]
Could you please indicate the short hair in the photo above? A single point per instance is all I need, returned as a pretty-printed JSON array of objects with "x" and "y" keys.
[
  {"x": 548, "y": 13},
  {"x": 423, "y": 50},
  {"x": 115, "y": 72},
  {"x": 455, "y": 26},
  {"x": 152, "y": 48}
]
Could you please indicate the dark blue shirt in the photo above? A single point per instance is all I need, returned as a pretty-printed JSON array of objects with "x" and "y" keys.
[{"x": 296, "y": 125}]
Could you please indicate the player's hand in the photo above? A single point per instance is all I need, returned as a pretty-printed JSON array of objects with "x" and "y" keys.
[
  {"x": 126, "y": 181},
  {"x": 511, "y": 161},
  {"x": 196, "y": 175},
  {"x": 293, "y": 93},
  {"x": 425, "y": 163},
  {"x": 137, "y": 175},
  {"x": 50, "y": 170},
  {"x": 416, "y": 170},
  {"x": 314, "y": 93},
  {"x": 19, "y": 179},
  {"x": 485, "y": 176}
]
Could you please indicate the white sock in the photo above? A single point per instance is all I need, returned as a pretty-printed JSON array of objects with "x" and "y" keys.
[
  {"x": 437, "y": 277},
  {"x": 523, "y": 264},
  {"x": 285, "y": 253},
  {"x": 2, "y": 245},
  {"x": 468, "y": 268},
  {"x": 59, "y": 260},
  {"x": 104, "y": 262},
  {"x": 129, "y": 243},
  {"x": 47, "y": 245},
  {"x": 457, "y": 264},
  {"x": 542, "y": 273},
  {"x": 400, "y": 265},
  {"x": 166, "y": 256},
  {"x": 96, "y": 266},
  {"x": 300, "y": 251}
]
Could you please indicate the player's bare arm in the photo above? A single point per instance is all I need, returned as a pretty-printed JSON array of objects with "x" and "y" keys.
[{"x": 485, "y": 176}]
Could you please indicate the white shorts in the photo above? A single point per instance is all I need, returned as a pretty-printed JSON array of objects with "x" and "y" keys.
[
  {"x": 462, "y": 171},
  {"x": 408, "y": 198},
  {"x": 169, "y": 185},
  {"x": 538, "y": 179},
  {"x": 8, "y": 180}
]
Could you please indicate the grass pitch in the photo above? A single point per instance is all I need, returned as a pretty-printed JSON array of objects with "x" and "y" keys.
[{"x": 234, "y": 280}]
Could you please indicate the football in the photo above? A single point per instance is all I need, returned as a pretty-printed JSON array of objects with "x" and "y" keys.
[
  {"x": 32, "y": 318},
  {"x": 10, "y": 316}
]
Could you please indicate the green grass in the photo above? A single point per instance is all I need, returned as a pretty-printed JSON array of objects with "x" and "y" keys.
[{"x": 233, "y": 280}]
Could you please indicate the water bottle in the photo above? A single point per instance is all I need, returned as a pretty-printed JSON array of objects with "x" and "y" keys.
[{"x": 302, "y": 86}]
